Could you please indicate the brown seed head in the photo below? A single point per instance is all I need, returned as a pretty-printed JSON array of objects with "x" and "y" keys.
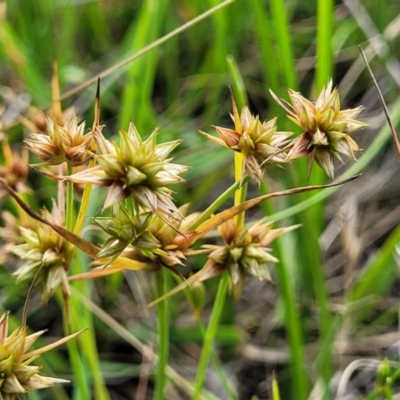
[
  {"x": 327, "y": 128},
  {"x": 15, "y": 169},
  {"x": 259, "y": 142},
  {"x": 245, "y": 251}
]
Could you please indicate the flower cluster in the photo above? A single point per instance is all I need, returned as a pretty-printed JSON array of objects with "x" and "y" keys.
[
  {"x": 259, "y": 142},
  {"x": 61, "y": 144},
  {"x": 45, "y": 256},
  {"x": 17, "y": 375},
  {"x": 326, "y": 136},
  {"x": 327, "y": 128},
  {"x": 144, "y": 236},
  {"x": 245, "y": 251},
  {"x": 135, "y": 168}
]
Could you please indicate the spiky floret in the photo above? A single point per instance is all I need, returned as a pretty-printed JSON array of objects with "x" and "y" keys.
[
  {"x": 135, "y": 168},
  {"x": 45, "y": 256},
  {"x": 60, "y": 144},
  {"x": 17, "y": 376},
  {"x": 259, "y": 142},
  {"x": 327, "y": 128},
  {"x": 245, "y": 251}
]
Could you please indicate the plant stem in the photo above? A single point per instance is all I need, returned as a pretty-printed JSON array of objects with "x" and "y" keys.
[
  {"x": 217, "y": 365},
  {"x": 81, "y": 389},
  {"x": 217, "y": 203},
  {"x": 69, "y": 205},
  {"x": 210, "y": 334},
  {"x": 84, "y": 203},
  {"x": 82, "y": 319},
  {"x": 163, "y": 335}
]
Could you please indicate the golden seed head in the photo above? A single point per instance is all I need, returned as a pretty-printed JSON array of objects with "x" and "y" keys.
[{"x": 245, "y": 251}]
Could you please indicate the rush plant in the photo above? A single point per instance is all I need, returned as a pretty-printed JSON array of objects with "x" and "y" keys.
[{"x": 120, "y": 208}]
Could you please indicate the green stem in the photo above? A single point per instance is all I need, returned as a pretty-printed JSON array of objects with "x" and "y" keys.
[
  {"x": 69, "y": 205},
  {"x": 217, "y": 203},
  {"x": 80, "y": 220},
  {"x": 286, "y": 288},
  {"x": 81, "y": 388},
  {"x": 218, "y": 367},
  {"x": 163, "y": 335},
  {"x": 374, "y": 394},
  {"x": 210, "y": 334},
  {"x": 82, "y": 319}
]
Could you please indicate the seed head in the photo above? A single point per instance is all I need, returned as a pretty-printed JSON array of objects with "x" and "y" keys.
[
  {"x": 60, "y": 144},
  {"x": 259, "y": 142},
  {"x": 144, "y": 236},
  {"x": 17, "y": 376},
  {"x": 135, "y": 168},
  {"x": 327, "y": 128},
  {"x": 245, "y": 251},
  {"x": 45, "y": 256}
]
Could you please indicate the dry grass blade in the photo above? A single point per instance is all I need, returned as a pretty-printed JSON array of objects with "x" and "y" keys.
[
  {"x": 382, "y": 100},
  {"x": 96, "y": 121},
  {"x": 223, "y": 216}
]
